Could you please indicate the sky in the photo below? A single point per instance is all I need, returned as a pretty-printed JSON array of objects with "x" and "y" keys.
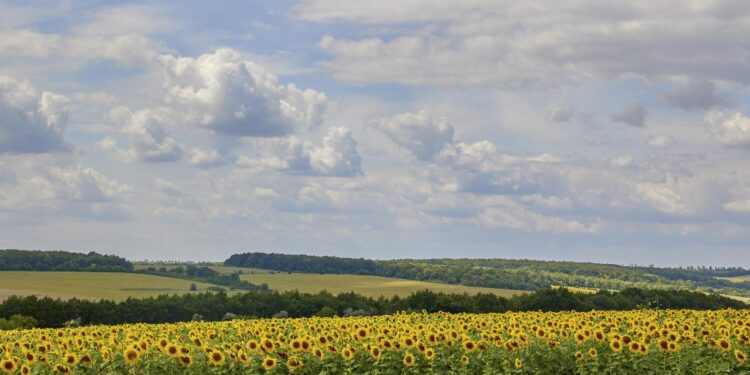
[{"x": 587, "y": 130}]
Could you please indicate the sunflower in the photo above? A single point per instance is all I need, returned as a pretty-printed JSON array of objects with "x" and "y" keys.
[
  {"x": 408, "y": 360},
  {"x": 25, "y": 370},
  {"x": 269, "y": 363},
  {"x": 663, "y": 345},
  {"x": 464, "y": 360},
  {"x": 634, "y": 347},
  {"x": 579, "y": 355},
  {"x": 253, "y": 345},
  {"x": 469, "y": 346},
  {"x": 86, "y": 360},
  {"x": 216, "y": 358},
  {"x": 724, "y": 345},
  {"x": 186, "y": 361},
  {"x": 293, "y": 363},
  {"x": 8, "y": 366},
  {"x": 518, "y": 363},
  {"x": 131, "y": 356},
  {"x": 616, "y": 345},
  {"x": 741, "y": 356},
  {"x": 429, "y": 354},
  {"x": 375, "y": 353},
  {"x": 242, "y": 356},
  {"x": 361, "y": 334},
  {"x": 62, "y": 368},
  {"x": 172, "y": 350},
  {"x": 71, "y": 359},
  {"x": 347, "y": 354},
  {"x": 593, "y": 353}
]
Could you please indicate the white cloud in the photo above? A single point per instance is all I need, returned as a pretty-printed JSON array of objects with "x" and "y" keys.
[
  {"x": 228, "y": 95},
  {"x": 50, "y": 188},
  {"x": 420, "y": 133},
  {"x": 491, "y": 42},
  {"x": 127, "y": 49},
  {"x": 148, "y": 134},
  {"x": 126, "y": 19},
  {"x": 205, "y": 158},
  {"x": 729, "y": 129},
  {"x": 337, "y": 156},
  {"x": 662, "y": 141},
  {"x": 31, "y": 122},
  {"x": 560, "y": 114},
  {"x": 742, "y": 206},
  {"x": 634, "y": 115}
]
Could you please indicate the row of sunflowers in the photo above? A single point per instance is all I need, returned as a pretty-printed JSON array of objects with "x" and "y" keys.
[{"x": 607, "y": 342}]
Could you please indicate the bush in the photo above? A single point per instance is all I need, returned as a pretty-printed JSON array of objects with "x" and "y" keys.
[
  {"x": 18, "y": 322},
  {"x": 326, "y": 312}
]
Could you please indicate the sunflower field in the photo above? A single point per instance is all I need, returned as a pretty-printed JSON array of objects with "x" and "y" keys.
[{"x": 598, "y": 342}]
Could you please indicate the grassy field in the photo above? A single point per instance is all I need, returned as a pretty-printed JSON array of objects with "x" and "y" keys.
[
  {"x": 371, "y": 286},
  {"x": 736, "y": 279},
  {"x": 90, "y": 285},
  {"x": 214, "y": 266}
]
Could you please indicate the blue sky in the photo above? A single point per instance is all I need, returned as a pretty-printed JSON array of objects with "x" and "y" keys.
[{"x": 580, "y": 130}]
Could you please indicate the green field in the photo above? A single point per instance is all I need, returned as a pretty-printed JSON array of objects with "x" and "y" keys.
[
  {"x": 90, "y": 285},
  {"x": 736, "y": 279},
  {"x": 371, "y": 286},
  {"x": 218, "y": 267}
]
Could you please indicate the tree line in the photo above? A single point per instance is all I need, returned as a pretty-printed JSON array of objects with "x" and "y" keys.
[
  {"x": 48, "y": 312},
  {"x": 505, "y": 273},
  {"x": 206, "y": 275},
  {"x": 38, "y": 260}
]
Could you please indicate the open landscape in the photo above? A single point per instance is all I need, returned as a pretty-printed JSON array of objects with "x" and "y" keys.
[
  {"x": 391, "y": 187},
  {"x": 90, "y": 285},
  {"x": 370, "y": 286}
]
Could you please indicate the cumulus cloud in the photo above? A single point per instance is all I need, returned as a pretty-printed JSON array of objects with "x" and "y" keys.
[
  {"x": 30, "y": 121},
  {"x": 148, "y": 134},
  {"x": 127, "y": 49},
  {"x": 337, "y": 156},
  {"x": 738, "y": 206},
  {"x": 420, "y": 133},
  {"x": 634, "y": 115},
  {"x": 560, "y": 114},
  {"x": 67, "y": 189},
  {"x": 228, "y": 95},
  {"x": 699, "y": 95},
  {"x": 490, "y": 42},
  {"x": 126, "y": 19},
  {"x": 205, "y": 158},
  {"x": 662, "y": 141},
  {"x": 731, "y": 129}
]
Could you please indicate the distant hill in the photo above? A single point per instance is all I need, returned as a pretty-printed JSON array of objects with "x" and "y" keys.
[
  {"x": 508, "y": 273},
  {"x": 37, "y": 260}
]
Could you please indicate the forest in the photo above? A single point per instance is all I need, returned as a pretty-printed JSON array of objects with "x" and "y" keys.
[
  {"x": 507, "y": 273},
  {"x": 48, "y": 312},
  {"x": 37, "y": 260}
]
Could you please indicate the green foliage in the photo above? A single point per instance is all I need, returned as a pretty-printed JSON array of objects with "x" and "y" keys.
[
  {"x": 18, "y": 321},
  {"x": 206, "y": 275},
  {"x": 507, "y": 273},
  {"x": 214, "y": 306},
  {"x": 37, "y": 260}
]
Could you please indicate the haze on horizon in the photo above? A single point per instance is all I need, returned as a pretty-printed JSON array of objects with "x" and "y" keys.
[{"x": 563, "y": 130}]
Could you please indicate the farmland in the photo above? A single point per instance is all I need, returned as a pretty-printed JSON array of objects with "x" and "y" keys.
[
  {"x": 370, "y": 286},
  {"x": 91, "y": 285},
  {"x": 643, "y": 341}
]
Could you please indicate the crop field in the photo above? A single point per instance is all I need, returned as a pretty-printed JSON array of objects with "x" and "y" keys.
[
  {"x": 627, "y": 342},
  {"x": 736, "y": 279},
  {"x": 218, "y": 267},
  {"x": 371, "y": 286},
  {"x": 91, "y": 285}
]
